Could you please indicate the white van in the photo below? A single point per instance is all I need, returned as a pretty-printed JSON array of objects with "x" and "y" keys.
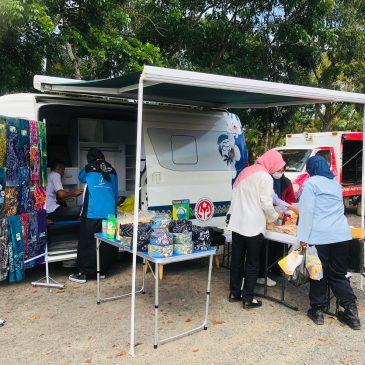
[{"x": 187, "y": 153}]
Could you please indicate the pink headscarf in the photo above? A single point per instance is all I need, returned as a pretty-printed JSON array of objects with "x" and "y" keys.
[{"x": 271, "y": 161}]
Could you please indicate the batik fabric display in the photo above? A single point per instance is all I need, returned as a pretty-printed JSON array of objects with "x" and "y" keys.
[
  {"x": 12, "y": 152},
  {"x": 34, "y": 150},
  {"x": 4, "y": 249},
  {"x": 2, "y": 141},
  {"x": 42, "y": 154},
  {"x": 2, "y": 191}
]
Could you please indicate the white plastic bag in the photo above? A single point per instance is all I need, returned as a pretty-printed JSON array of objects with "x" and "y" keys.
[{"x": 313, "y": 263}]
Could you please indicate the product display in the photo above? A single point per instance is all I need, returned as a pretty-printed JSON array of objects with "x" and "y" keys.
[
  {"x": 180, "y": 226},
  {"x": 12, "y": 152},
  {"x": 160, "y": 222},
  {"x": 182, "y": 238},
  {"x": 201, "y": 238},
  {"x": 2, "y": 141},
  {"x": 16, "y": 249},
  {"x": 34, "y": 150},
  {"x": 42, "y": 153},
  {"x": 4, "y": 249}
]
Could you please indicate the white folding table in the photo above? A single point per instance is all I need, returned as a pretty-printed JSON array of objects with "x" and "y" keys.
[{"x": 147, "y": 259}]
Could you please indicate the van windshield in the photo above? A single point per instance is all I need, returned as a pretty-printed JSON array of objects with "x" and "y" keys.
[{"x": 295, "y": 159}]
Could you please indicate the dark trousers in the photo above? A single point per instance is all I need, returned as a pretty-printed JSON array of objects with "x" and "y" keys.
[
  {"x": 275, "y": 253},
  {"x": 334, "y": 259},
  {"x": 245, "y": 263},
  {"x": 86, "y": 250},
  {"x": 64, "y": 214}
]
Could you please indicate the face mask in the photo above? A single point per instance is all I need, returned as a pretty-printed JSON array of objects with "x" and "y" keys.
[{"x": 277, "y": 175}]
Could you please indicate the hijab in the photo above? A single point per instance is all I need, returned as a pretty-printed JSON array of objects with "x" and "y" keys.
[
  {"x": 317, "y": 165},
  {"x": 271, "y": 161},
  {"x": 96, "y": 163}
]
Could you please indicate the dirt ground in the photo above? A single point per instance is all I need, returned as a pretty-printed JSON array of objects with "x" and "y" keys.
[{"x": 67, "y": 326}]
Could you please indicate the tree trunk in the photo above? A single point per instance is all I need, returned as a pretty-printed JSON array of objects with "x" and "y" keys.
[{"x": 75, "y": 62}]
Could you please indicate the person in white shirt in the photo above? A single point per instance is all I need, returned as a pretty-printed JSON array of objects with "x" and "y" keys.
[
  {"x": 251, "y": 207},
  {"x": 56, "y": 195}
]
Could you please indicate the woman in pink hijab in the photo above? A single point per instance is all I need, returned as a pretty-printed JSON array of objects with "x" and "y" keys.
[{"x": 251, "y": 207}]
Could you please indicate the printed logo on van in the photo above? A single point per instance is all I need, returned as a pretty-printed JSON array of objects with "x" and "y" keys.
[{"x": 204, "y": 210}]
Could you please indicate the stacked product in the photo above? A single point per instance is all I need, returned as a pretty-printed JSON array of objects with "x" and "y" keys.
[{"x": 161, "y": 243}]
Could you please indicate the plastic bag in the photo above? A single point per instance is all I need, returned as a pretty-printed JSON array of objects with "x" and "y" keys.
[
  {"x": 300, "y": 275},
  {"x": 128, "y": 205},
  {"x": 290, "y": 262},
  {"x": 313, "y": 263}
]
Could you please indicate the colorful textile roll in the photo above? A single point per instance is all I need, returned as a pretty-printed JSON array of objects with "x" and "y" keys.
[
  {"x": 4, "y": 249},
  {"x": 34, "y": 150},
  {"x": 201, "y": 238},
  {"x": 24, "y": 202},
  {"x": 12, "y": 152},
  {"x": 16, "y": 250},
  {"x": 40, "y": 247},
  {"x": 183, "y": 248},
  {"x": 161, "y": 237},
  {"x": 2, "y": 141},
  {"x": 160, "y": 251},
  {"x": 11, "y": 201},
  {"x": 25, "y": 228},
  {"x": 182, "y": 238},
  {"x": 42, "y": 154},
  {"x": 2, "y": 191},
  {"x": 180, "y": 226},
  {"x": 24, "y": 143}
]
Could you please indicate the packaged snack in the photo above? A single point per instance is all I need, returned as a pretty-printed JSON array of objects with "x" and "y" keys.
[
  {"x": 182, "y": 238},
  {"x": 183, "y": 248},
  {"x": 160, "y": 251}
]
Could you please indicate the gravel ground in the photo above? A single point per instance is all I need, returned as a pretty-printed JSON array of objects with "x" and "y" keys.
[{"x": 66, "y": 327}]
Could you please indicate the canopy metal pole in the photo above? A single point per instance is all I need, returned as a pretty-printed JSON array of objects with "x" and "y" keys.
[
  {"x": 136, "y": 208},
  {"x": 363, "y": 190}
]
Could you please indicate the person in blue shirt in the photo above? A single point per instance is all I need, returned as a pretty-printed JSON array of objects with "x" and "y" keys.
[
  {"x": 100, "y": 200},
  {"x": 322, "y": 223}
]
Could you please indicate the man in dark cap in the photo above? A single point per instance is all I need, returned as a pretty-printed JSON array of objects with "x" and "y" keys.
[{"x": 100, "y": 200}]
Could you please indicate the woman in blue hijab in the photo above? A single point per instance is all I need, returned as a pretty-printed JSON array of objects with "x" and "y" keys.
[{"x": 322, "y": 223}]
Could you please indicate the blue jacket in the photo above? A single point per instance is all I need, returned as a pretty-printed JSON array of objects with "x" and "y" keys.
[
  {"x": 100, "y": 195},
  {"x": 321, "y": 212}
]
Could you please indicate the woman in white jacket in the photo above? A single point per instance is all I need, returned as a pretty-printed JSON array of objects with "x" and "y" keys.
[{"x": 251, "y": 207}]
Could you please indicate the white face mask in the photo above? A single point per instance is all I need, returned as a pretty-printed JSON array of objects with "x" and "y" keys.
[{"x": 277, "y": 175}]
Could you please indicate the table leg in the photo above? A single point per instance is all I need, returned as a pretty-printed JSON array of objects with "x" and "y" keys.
[
  {"x": 217, "y": 261},
  {"x": 208, "y": 292},
  {"x": 283, "y": 279},
  {"x": 266, "y": 264},
  {"x": 156, "y": 305},
  {"x": 144, "y": 275},
  {"x": 97, "y": 271}
]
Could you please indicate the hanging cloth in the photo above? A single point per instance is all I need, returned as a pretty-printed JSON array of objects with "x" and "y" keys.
[
  {"x": 37, "y": 195},
  {"x": 42, "y": 154},
  {"x": 41, "y": 244},
  {"x": 16, "y": 250},
  {"x": 24, "y": 143},
  {"x": 2, "y": 191},
  {"x": 12, "y": 152},
  {"x": 4, "y": 249},
  {"x": 25, "y": 228},
  {"x": 23, "y": 191},
  {"x": 11, "y": 201},
  {"x": 34, "y": 150},
  {"x": 32, "y": 247},
  {"x": 2, "y": 141}
]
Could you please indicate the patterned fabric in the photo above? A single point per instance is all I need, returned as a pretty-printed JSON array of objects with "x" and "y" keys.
[
  {"x": 37, "y": 196},
  {"x": 12, "y": 152},
  {"x": 180, "y": 226},
  {"x": 201, "y": 238},
  {"x": 34, "y": 150},
  {"x": 37, "y": 246},
  {"x": 2, "y": 141},
  {"x": 25, "y": 228},
  {"x": 32, "y": 247},
  {"x": 24, "y": 203},
  {"x": 4, "y": 249},
  {"x": 24, "y": 143},
  {"x": 42, "y": 154},
  {"x": 161, "y": 237},
  {"x": 16, "y": 250},
  {"x": 2, "y": 191},
  {"x": 11, "y": 201}
]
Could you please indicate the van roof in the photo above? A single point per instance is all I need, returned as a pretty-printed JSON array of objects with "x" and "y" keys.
[{"x": 197, "y": 89}]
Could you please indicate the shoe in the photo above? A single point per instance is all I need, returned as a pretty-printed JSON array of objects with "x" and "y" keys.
[
  {"x": 316, "y": 315},
  {"x": 69, "y": 263},
  {"x": 350, "y": 317},
  {"x": 253, "y": 304},
  {"x": 78, "y": 278},
  {"x": 232, "y": 298},
  {"x": 270, "y": 282}
]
